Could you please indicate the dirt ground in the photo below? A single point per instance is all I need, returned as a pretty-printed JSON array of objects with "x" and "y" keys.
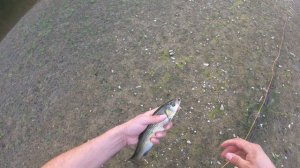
[{"x": 70, "y": 70}]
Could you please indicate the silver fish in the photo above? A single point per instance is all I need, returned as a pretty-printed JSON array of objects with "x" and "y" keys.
[{"x": 144, "y": 144}]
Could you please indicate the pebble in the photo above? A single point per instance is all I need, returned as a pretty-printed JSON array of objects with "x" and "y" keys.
[
  {"x": 222, "y": 107},
  {"x": 206, "y": 64},
  {"x": 293, "y": 54},
  {"x": 261, "y": 125},
  {"x": 171, "y": 52},
  {"x": 188, "y": 142}
]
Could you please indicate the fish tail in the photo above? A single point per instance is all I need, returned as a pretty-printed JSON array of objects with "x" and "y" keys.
[{"x": 133, "y": 159}]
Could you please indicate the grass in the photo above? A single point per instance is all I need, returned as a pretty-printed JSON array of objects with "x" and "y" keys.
[
  {"x": 44, "y": 27},
  {"x": 236, "y": 4},
  {"x": 183, "y": 61},
  {"x": 216, "y": 113},
  {"x": 165, "y": 55}
]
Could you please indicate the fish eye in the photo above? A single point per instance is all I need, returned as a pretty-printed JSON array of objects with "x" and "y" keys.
[{"x": 173, "y": 104}]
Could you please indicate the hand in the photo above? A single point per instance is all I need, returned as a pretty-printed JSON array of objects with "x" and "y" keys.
[
  {"x": 134, "y": 127},
  {"x": 244, "y": 154}
]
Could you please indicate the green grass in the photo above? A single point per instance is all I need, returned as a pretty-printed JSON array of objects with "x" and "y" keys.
[
  {"x": 237, "y": 3},
  {"x": 216, "y": 113},
  {"x": 165, "y": 55},
  {"x": 182, "y": 62}
]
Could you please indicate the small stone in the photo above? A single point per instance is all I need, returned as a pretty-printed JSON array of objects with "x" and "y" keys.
[
  {"x": 293, "y": 54},
  {"x": 171, "y": 52},
  {"x": 222, "y": 107},
  {"x": 188, "y": 142},
  {"x": 206, "y": 64}
]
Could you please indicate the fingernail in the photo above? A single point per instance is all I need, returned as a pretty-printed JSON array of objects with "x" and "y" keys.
[{"x": 228, "y": 156}]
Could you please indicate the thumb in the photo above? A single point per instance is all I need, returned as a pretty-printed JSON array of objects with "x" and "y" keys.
[
  {"x": 236, "y": 160},
  {"x": 155, "y": 119}
]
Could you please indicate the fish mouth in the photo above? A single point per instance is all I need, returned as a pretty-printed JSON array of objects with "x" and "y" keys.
[{"x": 178, "y": 101}]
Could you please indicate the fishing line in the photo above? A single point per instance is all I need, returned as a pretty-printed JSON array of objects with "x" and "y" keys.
[{"x": 269, "y": 86}]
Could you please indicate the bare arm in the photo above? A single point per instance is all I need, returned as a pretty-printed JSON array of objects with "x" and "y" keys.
[{"x": 97, "y": 151}]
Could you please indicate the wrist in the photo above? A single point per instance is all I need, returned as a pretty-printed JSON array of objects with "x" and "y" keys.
[{"x": 120, "y": 129}]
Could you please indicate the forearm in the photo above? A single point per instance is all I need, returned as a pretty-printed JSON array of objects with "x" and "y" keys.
[{"x": 93, "y": 153}]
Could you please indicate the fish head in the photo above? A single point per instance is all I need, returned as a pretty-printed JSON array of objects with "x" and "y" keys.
[{"x": 172, "y": 107}]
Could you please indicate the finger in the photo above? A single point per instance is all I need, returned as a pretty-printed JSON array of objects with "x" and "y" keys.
[
  {"x": 238, "y": 142},
  {"x": 150, "y": 112},
  {"x": 155, "y": 141},
  {"x": 168, "y": 126},
  {"x": 229, "y": 149},
  {"x": 154, "y": 119},
  {"x": 241, "y": 154},
  {"x": 160, "y": 134},
  {"x": 236, "y": 160}
]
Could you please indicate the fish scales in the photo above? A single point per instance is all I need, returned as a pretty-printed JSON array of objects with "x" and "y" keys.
[{"x": 144, "y": 144}]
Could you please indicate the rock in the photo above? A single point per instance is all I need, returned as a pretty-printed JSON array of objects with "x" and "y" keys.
[
  {"x": 206, "y": 64},
  {"x": 171, "y": 53},
  {"x": 222, "y": 107}
]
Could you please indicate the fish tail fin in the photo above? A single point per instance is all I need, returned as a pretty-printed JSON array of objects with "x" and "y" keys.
[{"x": 133, "y": 159}]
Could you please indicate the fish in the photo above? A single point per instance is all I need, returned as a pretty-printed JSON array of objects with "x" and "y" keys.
[{"x": 144, "y": 144}]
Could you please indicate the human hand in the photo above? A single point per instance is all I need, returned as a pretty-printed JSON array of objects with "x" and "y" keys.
[
  {"x": 244, "y": 154},
  {"x": 134, "y": 127}
]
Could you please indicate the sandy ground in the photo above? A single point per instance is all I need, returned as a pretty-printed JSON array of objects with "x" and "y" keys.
[{"x": 70, "y": 70}]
